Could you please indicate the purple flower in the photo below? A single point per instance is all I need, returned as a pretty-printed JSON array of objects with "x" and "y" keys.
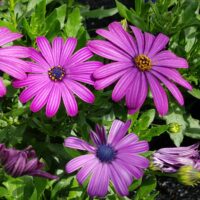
[
  {"x": 171, "y": 159},
  {"x": 24, "y": 162},
  {"x": 56, "y": 74},
  {"x": 114, "y": 158},
  {"x": 139, "y": 62},
  {"x": 9, "y": 58}
]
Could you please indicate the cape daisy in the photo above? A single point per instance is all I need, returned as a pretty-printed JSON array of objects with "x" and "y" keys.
[
  {"x": 9, "y": 57},
  {"x": 139, "y": 62},
  {"x": 114, "y": 158},
  {"x": 56, "y": 74}
]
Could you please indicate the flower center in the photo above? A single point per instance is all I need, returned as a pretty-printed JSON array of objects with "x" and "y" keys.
[
  {"x": 105, "y": 153},
  {"x": 143, "y": 62},
  {"x": 56, "y": 73}
]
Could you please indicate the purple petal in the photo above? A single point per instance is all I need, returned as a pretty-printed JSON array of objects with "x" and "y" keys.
[
  {"x": 76, "y": 143},
  {"x": 173, "y": 63},
  {"x": 174, "y": 75},
  {"x": 98, "y": 185},
  {"x": 9, "y": 37},
  {"x": 118, "y": 180},
  {"x": 15, "y": 51},
  {"x": 123, "y": 84},
  {"x": 105, "y": 82},
  {"x": 68, "y": 49},
  {"x": 111, "y": 69},
  {"x": 159, "y": 44},
  {"x": 171, "y": 87},
  {"x": 31, "y": 165},
  {"x": 108, "y": 50},
  {"x": 139, "y": 39},
  {"x": 78, "y": 162},
  {"x": 69, "y": 101},
  {"x": 43, "y": 174},
  {"x": 137, "y": 93},
  {"x": 35, "y": 68},
  {"x": 85, "y": 68},
  {"x": 149, "y": 39},
  {"x": 2, "y": 88},
  {"x": 82, "y": 77},
  {"x": 3, "y": 31},
  {"x": 80, "y": 90},
  {"x": 41, "y": 97},
  {"x": 79, "y": 57},
  {"x": 86, "y": 170},
  {"x": 118, "y": 130},
  {"x": 53, "y": 101},
  {"x": 45, "y": 49},
  {"x": 163, "y": 55},
  {"x": 159, "y": 94},
  {"x": 57, "y": 45}
]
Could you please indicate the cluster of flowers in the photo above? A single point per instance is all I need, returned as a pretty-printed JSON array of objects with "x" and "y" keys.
[{"x": 54, "y": 73}]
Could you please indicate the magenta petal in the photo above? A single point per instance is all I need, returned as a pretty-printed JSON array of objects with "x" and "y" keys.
[
  {"x": 174, "y": 75},
  {"x": 80, "y": 56},
  {"x": 173, "y": 62},
  {"x": 67, "y": 50},
  {"x": 15, "y": 51},
  {"x": 123, "y": 84},
  {"x": 9, "y": 37},
  {"x": 76, "y": 143},
  {"x": 69, "y": 101},
  {"x": 105, "y": 82},
  {"x": 41, "y": 97},
  {"x": 108, "y": 50},
  {"x": 2, "y": 88},
  {"x": 57, "y": 45},
  {"x": 149, "y": 39},
  {"x": 82, "y": 77},
  {"x": 118, "y": 180},
  {"x": 86, "y": 170},
  {"x": 98, "y": 185},
  {"x": 80, "y": 90},
  {"x": 45, "y": 49},
  {"x": 137, "y": 93},
  {"x": 111, "y": 68},
  {"x": 139, "y": 39},
  {"x": 53, "y": 101},
  {"x": 171, "y": 87},
  {"x": 36, "y": 69},
  {"x": 159, "y": 94},
  {"x": 159, "y": 44},
  {"x": 163, "y": 55},
  {"x": 78, "y": 162}
]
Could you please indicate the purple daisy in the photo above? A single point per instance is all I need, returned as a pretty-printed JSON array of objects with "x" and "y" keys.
[
  {"x": 20, "y": 163},
  {"x": 9, "y": 58},
  {"x": 139, "y": 62},
  {"x": 171, "y": 159},
  {"x": 56, "y": 74},
  {"x": 114, "y": 158}
]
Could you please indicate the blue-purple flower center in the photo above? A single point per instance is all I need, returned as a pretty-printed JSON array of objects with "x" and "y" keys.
[
  {"x": 143, "y": 62},
  {"x": 105, "y": 153},
  {"x": 56, "y": 73}
]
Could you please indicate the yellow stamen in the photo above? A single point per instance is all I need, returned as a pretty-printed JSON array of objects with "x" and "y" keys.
[{"x": 143, "y": 62}]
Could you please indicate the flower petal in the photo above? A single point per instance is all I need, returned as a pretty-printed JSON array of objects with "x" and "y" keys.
[
  {"x": 45, "y": 49},
  {"x": 78, "y": 162},
  {"x": 2, "y": 88},
  {"x": 159, "y": 94},
  {"x": 15, "y": 51},
  {"x": 9, "y": 37},
  {"x": 149, "y": 39},
  {"x": 173, "y": 62},
  {"x": 57, "y": 45},
  {"x": 76, "y": 143}
]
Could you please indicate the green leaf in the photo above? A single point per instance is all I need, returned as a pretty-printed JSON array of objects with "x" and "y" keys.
[{"x": 195, "y": 93}]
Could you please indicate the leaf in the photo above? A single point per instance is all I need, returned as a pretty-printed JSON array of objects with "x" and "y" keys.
[{"x": 195, "y": 93}]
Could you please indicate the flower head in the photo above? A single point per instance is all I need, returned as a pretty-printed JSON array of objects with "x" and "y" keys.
[
  {"x": 112, "y": 158},
  {"x": 9, "y": 57},
  {"x": 139, "y": 62},
  {"x": 22, "y": 162},
  {"x": 56, "y": 74},
  {"x": 171, "y": 159}
]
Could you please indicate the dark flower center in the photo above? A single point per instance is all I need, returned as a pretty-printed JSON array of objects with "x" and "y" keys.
[
  {"x": 105, "y": 153},
  {"x": 143, "y": 62},
  {"x": 56, "y": 73}
]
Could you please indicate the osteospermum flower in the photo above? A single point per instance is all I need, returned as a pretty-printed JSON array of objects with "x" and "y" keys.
[
  {"x": 112, "y": 158},
  {"x": 9, "y": 57},
  {"x": 171, "y": 159},
  {"x": 56, "y": 74},
  {"x": 139, "y": 62},
  {"x": 22, "y": 162}
]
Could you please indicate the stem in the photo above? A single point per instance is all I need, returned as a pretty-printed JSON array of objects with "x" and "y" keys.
[{"x": 12, "y": 12}]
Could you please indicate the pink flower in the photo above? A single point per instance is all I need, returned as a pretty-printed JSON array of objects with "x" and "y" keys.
[
  {"x": 114, "y": 158},
  {"x": 139, "y": 62},
  {"x": 56, "y": 74},
  {"x": 9, "y": 58}
]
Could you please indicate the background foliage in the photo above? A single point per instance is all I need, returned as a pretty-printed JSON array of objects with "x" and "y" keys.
[{"x": 19, "y": 128}]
